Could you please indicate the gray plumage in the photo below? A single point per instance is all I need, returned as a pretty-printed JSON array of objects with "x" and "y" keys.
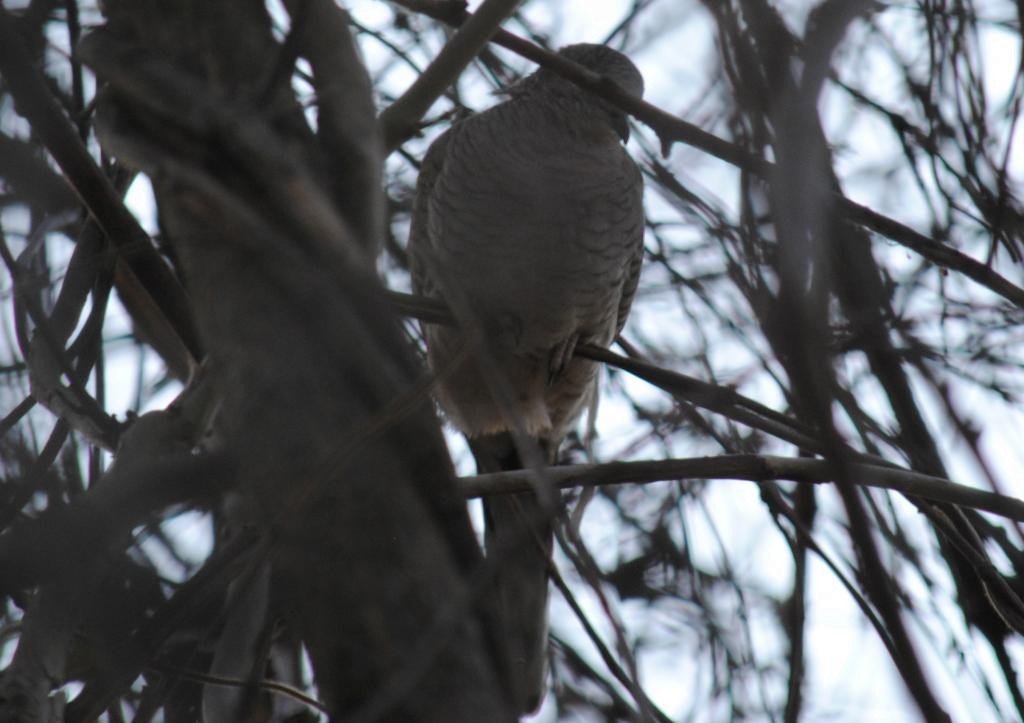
[{"x": 529, "y": 218}]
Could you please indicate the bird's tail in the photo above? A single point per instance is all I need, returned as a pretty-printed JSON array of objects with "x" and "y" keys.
[{"x": 518, "y": 537}]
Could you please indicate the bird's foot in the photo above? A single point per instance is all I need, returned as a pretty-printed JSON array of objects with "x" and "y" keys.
[{"x": 560, "y": 357}]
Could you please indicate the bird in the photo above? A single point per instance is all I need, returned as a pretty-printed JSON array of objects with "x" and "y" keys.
[{"x": 528, "y": 222}]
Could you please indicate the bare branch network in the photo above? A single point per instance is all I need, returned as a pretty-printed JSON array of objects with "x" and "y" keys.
[{"x": 831, "y": 293}]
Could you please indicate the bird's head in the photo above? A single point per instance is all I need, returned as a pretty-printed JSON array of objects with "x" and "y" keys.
[
  {"x": 607, "y": 62},
  {"x": 601, "y": 60}
]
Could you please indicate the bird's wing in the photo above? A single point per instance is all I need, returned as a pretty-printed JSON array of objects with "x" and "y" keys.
[
  {"x": 635, "y": 214},
  {"x": 420, "y": 246}
]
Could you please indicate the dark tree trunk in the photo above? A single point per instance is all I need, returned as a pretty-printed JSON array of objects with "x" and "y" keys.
[{"x": 338, "y": 450}]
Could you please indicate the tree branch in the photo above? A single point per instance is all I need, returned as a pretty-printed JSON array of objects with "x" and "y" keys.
[
  {"x": 398, "y": 121},
  {"x": 756, "y": 468}
]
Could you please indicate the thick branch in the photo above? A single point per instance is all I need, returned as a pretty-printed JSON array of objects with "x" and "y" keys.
[
  {"x": 36, "y": 550},
  {"x": 749, "y": 467}
]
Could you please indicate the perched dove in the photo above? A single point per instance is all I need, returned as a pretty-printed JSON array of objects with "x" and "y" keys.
[{"x": 528, "y": 222}]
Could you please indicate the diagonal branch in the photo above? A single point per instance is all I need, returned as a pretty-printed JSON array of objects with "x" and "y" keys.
[{"x": 398, "y": 121}]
